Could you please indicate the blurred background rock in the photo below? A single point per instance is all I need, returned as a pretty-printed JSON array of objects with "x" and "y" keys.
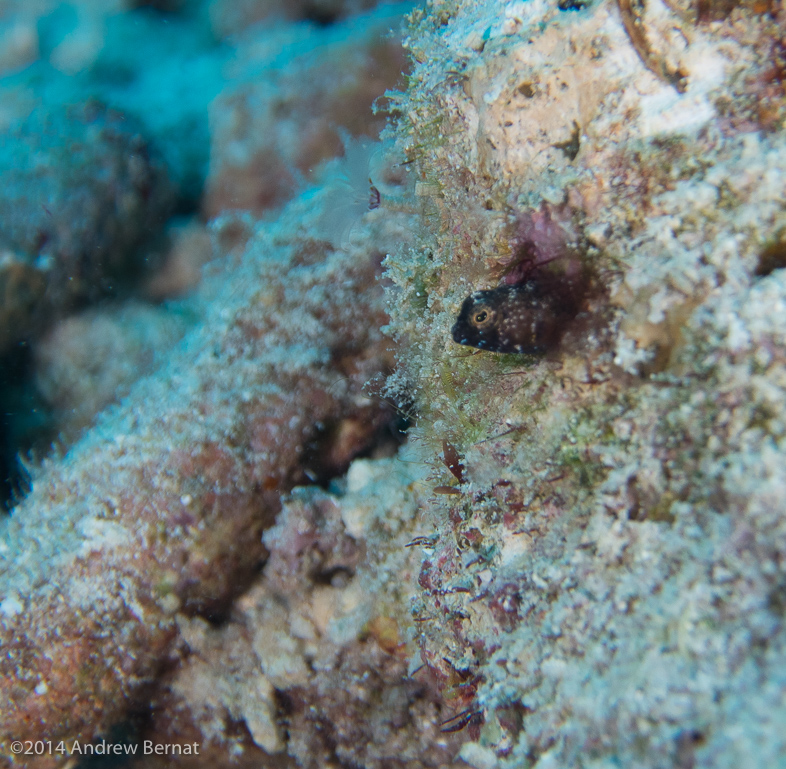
[{"x": 116, "y": 117}]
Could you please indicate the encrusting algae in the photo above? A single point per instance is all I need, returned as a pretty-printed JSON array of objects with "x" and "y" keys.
[{"x": 609, "y": 569}]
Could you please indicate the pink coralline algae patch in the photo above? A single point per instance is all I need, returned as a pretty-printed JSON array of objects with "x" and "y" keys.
[{"x": 540, "y": 236}]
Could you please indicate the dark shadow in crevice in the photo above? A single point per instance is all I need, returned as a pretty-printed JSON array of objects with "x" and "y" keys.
[{"x": 25, "y": 423}]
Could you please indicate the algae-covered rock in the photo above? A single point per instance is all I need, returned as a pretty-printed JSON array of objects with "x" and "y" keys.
[
  {"x": 315, "y": 659},
  {"x": 611, "y": 524},
  {"x": 579, "y": 559},
  {"x": 91, "y": 359},
  {"x": 287, "y": 111}
]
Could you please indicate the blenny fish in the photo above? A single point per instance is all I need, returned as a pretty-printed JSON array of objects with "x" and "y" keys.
[
  {"x": 521, "y": 318},
  {"x": 530, "y": 316}
]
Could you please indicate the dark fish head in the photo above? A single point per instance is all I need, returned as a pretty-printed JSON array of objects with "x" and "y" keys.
[
  {"x": 509, "y": 319},
  {"x": 478, "y": 321}
]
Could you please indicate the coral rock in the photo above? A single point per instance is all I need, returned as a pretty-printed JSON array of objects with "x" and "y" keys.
[
  {"x": 311, "y": 669},
  {"x": 606, "y": 579},
  {"x": 271, "y": 131},
  {"x": 82, "y": 191},
  {"x": 160, "y": 508}
]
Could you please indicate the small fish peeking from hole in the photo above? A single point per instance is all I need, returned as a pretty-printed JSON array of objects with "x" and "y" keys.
[
  {"x": 546, "y": 288},
  {"x": 510, "y": 319}
]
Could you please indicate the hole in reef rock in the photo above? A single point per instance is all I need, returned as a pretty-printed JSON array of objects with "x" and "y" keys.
[
  {"x": 335, "y": 576},
  {"x": 374, "y": 433},
  {"x": 772, "y": 258}
]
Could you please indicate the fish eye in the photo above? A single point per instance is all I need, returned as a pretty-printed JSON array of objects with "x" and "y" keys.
[{"x": 481, "y": 316}]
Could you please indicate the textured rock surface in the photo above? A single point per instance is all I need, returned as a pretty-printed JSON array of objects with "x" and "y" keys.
[
  {"x": 90, "y": 360},
  {"x": 610, "y": 564},
  {"x": 158, "y": 70},
  {"x": 287, "y": 110},
  {"x": 600, "y": 531},
  {"x": 313, "y": 664}
]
